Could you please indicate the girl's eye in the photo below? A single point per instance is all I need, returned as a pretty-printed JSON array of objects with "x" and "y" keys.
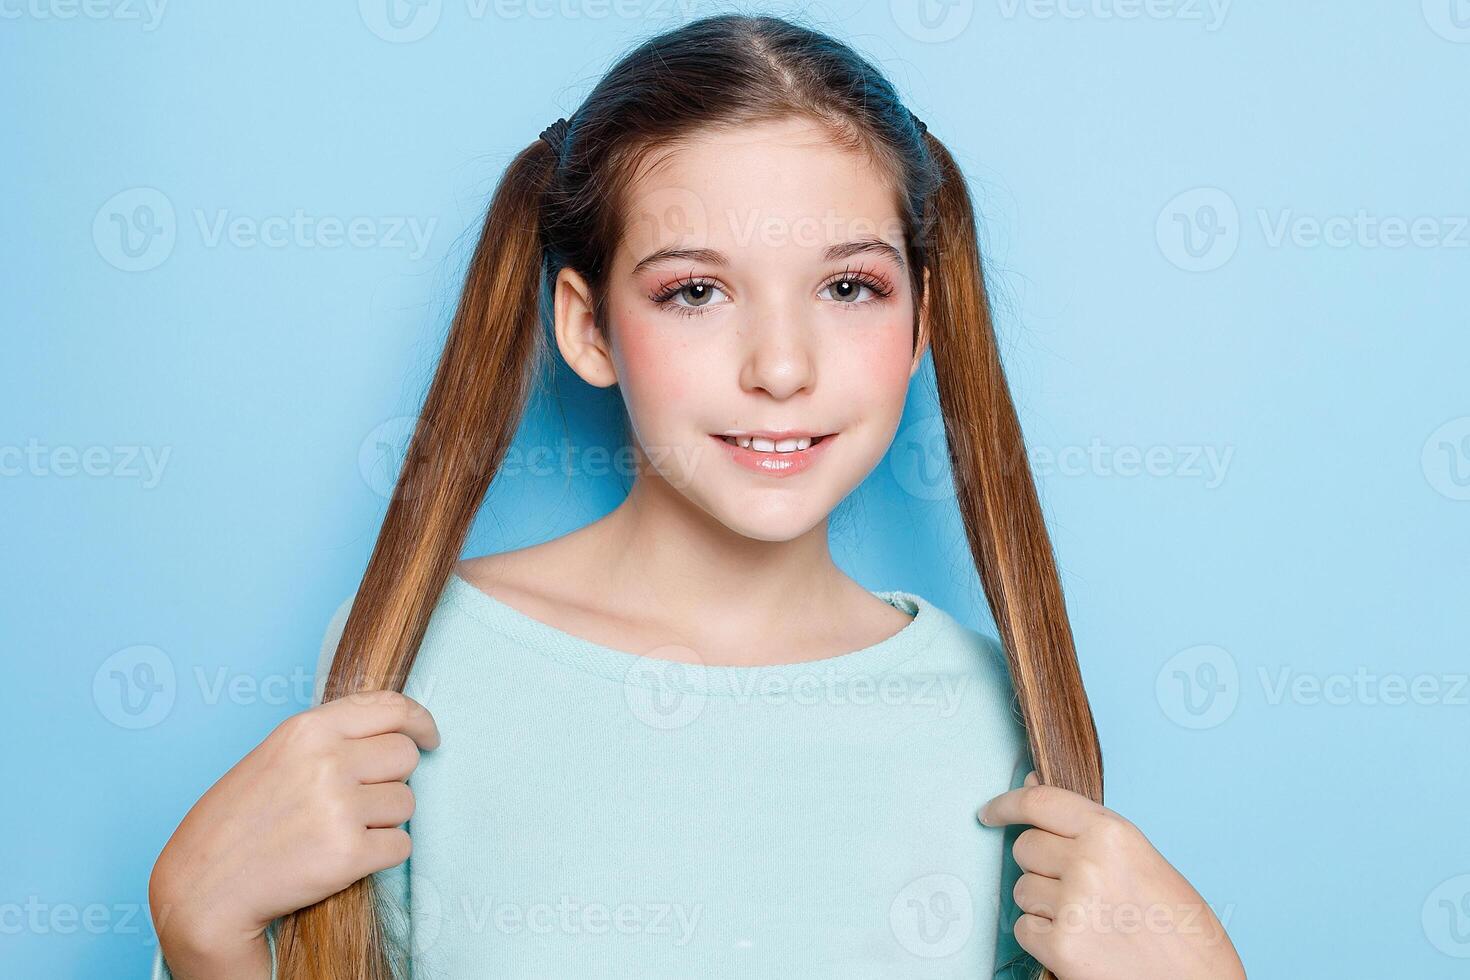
[
  {"x": 696, "y": 291},
  {"x": 694, "y": 296},
  {"x": 848, "y": 290}
]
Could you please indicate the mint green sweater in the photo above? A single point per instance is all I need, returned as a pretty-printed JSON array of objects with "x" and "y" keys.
[{"x": 595, "y": 813}]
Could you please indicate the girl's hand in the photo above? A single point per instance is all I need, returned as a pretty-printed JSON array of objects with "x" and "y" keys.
[
  {"x": 309, "y": 811},
  {"x": 1098, "y": 902}
]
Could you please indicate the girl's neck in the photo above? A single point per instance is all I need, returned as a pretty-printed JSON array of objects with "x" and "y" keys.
[
  {"x": 659, "y": 570},
  {"x": 667, "y": 549}
]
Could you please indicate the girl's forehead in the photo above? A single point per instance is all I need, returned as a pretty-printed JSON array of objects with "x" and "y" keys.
[
  {"x": 769, "y": 154},
  {"x": 742, "y": 190}
]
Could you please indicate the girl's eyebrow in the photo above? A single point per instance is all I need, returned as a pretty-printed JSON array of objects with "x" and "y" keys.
[{"x": 711, "y": 256}]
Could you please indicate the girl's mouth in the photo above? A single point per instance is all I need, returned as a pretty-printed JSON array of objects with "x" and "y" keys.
[
  {"x": 760, "y": 444},
  {"x": 777, "y": 457}
]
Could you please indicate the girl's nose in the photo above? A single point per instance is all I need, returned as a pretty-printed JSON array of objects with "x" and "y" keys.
[{"x": 780, "y": 355}]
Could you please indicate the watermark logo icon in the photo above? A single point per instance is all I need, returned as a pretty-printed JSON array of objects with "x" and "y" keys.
[
  {"x": 919, "y": 460},
  {"x": 1446, "y": 917},
  {"x": 400, "y": 21},
  {"x": 1199, "y": 686},
  {"x": 660, "y": 688},
  {"x": 1445, "y": 459},
  {"x": 933, "y": 916},
  {"x": 1199, "y": 229},
  {"x": 1450, "y": 19},
  {"x": 135, "y": 230},
  {"x": 382, "y": 453},
  {"x": 932, "y": 21},
  {"x": 673, "y": 215},
  {"x": 135, "y": 687}
]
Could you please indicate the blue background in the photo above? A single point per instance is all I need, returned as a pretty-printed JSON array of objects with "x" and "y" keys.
[{"x": 1134, "y": 174}]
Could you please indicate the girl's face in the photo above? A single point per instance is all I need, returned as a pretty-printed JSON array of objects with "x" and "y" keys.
[{"x": 760, "y": 290}]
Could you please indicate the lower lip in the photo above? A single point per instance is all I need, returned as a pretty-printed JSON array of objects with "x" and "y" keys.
[{"x": 776, "y": 464}]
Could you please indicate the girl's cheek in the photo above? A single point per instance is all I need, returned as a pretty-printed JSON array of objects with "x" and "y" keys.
[
  {"x": 651, "y": 369},
  {"x": 882, "y": 364}
]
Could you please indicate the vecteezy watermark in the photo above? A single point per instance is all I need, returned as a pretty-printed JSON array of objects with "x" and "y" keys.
[
  {"x": 938, "y": 21},
  {"x": 1193, "y": 462},
  {"x": 1282, "y": 684},
  {"x": 380, "y": 456},
  {"x": 663, "y": 689},
  {"x": 123, "y": 462},
  {"x": 568, "y": 459},
  {"x": 139, "y": 686},
  {"x": 400, "y": 21},
  {"x": 820, "y": 685},
  {"x": 932, "y": 21},
  {"x": 135, "y": 687},
  {"x": 1363, "y": 229},
  {"x": 683, "y": 215},
  {"x": 565, "y": 10},
  {"x": 294, "y": 688},
  {"x": 933, "y": 916},
  {"x": 38, "y": 917},
  {"x": 302, "y": 230},
  {"x": 406, "y": 21},
  {"x": 1200, "y": 229},
  {"x": 748, "y": 225},
  {"x": 670, "y": 690},
  {"x": 919, "y": 460},
  {"x": 147, "y": 13},
  {"x": 1094, "y": 914},
  {"x": 1450, "y": 19},
  {"x": 672, "y": 686},
  {"x": 920, "y": 463},
  {"x": 572, "y": 917},
  {"x": 1200, "y": 687},
  {"x": 137, "y": 229},
  {"x": 1208, "y": 13},
  {"x": 1445, "y": 459},
  {"x": 383, "y": 452},
  {"x": 1446, "y": 917}
]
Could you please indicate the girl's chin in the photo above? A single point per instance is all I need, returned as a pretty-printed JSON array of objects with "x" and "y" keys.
[{"x": 781, "y": 514}]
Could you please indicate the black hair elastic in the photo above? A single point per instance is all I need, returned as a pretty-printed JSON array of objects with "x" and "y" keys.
[{"x": 555, "y": 135}]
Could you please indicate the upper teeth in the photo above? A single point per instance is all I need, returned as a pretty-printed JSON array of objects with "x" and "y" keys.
[{"x": 770, "y": 445}]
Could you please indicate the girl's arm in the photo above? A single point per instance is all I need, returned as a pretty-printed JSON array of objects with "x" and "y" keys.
[{"x": 321, "y": 803}]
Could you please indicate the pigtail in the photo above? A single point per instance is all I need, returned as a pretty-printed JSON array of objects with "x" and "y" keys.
[
  {"x": 489, "y": 365},
  {"x": 998, "y": 501}
]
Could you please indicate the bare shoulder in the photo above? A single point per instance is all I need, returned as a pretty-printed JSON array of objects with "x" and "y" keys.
[
  {"x": 507, "y": 572},
  {"x": 877, "y": 617},
  {"x": 540, "y": 580},
  {"x": 561, "y": 582}
]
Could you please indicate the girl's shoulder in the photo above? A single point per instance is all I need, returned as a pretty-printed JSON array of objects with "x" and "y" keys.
[
  {"x": 978, "y": 650},
  {"x": 934, "y": 643}
]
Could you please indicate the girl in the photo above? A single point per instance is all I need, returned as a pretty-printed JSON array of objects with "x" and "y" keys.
[{"x": 745, "y": 231}]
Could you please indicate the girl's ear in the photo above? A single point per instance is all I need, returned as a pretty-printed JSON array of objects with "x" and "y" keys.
[
  {"x": 922, "y": 344},
  {"x": 577, "y": 336}
]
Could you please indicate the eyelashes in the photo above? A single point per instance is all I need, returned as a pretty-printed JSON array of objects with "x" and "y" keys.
[{"x": 664, "y": 295}]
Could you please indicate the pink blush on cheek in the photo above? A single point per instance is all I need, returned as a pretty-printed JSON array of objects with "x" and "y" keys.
[
  {"x": 649, "y": 366},
  {"x": 885, "y": 361}
]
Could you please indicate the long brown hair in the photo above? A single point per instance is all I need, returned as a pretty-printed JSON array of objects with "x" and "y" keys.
[{"x": 552, "y": 210}]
